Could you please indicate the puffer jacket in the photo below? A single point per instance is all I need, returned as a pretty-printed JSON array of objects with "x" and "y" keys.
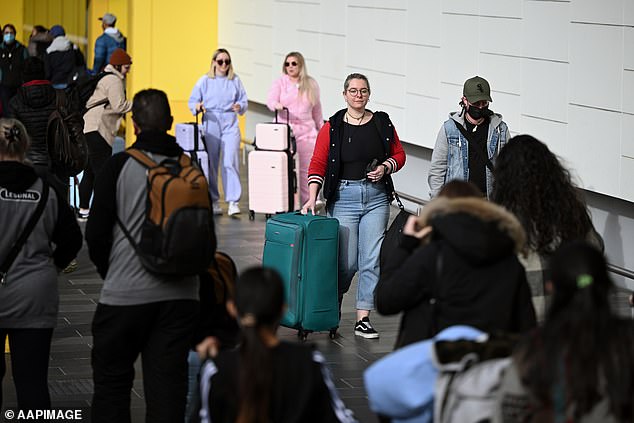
[
  {"x": 63, "y": 61},
  {"x": 32, "y": 105},
  {"x": 106, "y": 119},
  {"x": 470, "y": 269}
]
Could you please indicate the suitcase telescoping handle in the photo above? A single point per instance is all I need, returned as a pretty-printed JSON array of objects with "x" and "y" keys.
[{"x": 288, "y": 115}]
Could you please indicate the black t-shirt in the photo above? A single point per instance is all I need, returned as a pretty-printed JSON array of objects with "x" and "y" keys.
[
  {"x": 477, "y": 165},
  {"x": 299, "y": 391},
  {"x": 360, "y": 145}
]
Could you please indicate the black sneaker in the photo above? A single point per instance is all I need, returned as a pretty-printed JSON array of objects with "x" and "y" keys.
[{"x": 364, "y": 329}]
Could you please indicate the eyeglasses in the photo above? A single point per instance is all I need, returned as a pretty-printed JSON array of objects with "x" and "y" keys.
[
  {"x": 354, "y": 92},
  {"x": 224, "y": 62},
  {"x": 287, "y": 64}
]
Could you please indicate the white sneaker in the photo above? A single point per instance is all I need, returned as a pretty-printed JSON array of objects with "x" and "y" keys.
[
  {"x": 216, "y": 208},
  {"x": 233, "y": 208}
]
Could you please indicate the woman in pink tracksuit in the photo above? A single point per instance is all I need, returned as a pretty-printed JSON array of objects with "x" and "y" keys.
[{"x": 299, "y": 93}]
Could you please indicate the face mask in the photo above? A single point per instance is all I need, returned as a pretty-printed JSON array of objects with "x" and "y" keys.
[
  {"x": 9, "y": 38},
  {"x": 477, "y": 113}
]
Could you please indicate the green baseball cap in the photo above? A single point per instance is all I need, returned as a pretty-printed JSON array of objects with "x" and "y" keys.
[{"x": 476, "y": 89}]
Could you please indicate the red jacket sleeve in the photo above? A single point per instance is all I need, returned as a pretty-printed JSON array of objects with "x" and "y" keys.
[
  {"x": 319, "y": 161},
  {"x": 397, "y": 154}
]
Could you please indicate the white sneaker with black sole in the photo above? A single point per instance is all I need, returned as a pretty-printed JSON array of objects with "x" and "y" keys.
[{"x": 364, "y": 329}]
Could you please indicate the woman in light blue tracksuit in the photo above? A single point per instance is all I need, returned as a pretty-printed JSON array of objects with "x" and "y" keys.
[{"x": 221, "y": 96}]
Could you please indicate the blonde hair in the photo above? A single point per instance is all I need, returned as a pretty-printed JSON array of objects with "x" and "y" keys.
[
  {"x": 14, "y": 140},
  {"x": 212, "y": 69},
  {"x": 307, "y": 85}
]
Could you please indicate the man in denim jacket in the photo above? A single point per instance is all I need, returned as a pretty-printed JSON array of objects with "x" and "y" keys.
[{"x": 455, "y": 157}]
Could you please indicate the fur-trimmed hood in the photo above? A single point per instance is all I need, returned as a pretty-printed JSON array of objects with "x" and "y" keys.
[{"x": 480, "y": 230}]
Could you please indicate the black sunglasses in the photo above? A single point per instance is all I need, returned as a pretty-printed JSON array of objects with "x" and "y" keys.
[
  {"x": 287, "y": 64},
  {"x": 223, "y": 62}
]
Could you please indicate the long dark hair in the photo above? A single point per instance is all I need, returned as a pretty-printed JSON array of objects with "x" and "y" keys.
[
  {"x": 259, "y": 300},
  {"x": 531, "y": 183},
  {"x": 584, "y": 352}
]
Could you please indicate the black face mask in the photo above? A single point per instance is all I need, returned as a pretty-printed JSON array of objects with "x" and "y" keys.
[{"x": 477, "y": 113}]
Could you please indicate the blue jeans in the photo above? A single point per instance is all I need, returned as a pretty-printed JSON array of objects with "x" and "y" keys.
[{"x": 362, "y": 209}]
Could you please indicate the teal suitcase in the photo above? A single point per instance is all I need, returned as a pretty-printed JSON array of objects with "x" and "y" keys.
[{"x": 304, "y": 250}]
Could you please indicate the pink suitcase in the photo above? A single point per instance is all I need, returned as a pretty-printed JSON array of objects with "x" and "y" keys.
[
  {"x": 272, "y": 182},
  {"x": 274, "y": 136}
]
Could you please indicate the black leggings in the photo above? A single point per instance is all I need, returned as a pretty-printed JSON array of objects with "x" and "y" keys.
[
  {"x": 98, "y": 152},
  {"x": 30, "y": 349}
]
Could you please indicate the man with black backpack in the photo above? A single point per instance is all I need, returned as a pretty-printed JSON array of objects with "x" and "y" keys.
[{"x": 150, "y": 232}]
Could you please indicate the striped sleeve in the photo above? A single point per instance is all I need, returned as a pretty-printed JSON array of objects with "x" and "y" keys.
[{"x": 344, "y": 415}]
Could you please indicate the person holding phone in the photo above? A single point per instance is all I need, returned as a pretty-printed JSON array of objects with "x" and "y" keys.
[{"x": 356, "y": 152}]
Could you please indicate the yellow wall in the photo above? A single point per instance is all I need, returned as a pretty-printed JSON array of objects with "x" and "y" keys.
[
  {"x": 24, "y": 14},
  {"x": 96, "y": 9},
  {"x": 171, "y": 47},
  {"x": 12, "y": 11}
]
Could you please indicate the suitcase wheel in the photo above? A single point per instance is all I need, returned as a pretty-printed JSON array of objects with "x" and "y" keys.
[
  {"x": 251, "y": 215},
  {"x": 332, "y": 333},
  {"x": 268, "y": 216},
  {"x": 302, "y": 335}
]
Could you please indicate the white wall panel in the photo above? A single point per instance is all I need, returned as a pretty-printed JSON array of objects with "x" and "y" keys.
[
  {"x": 604, "y": 11},
  {"x": 628, "y": 13},
  {"x": 500, "y": 35},
  {"x": 424, "y": 19},
  {"x": 542, "y": 59},
  {"x": 544, "y": 89},
  {"x": 627, "y": 176},
  {"x": 544, "y": 30},
  {"x": 508, "y": 105},
  {"x": 596, "y": 148},
  {"x": 627, "y": 137},
  {"x": 508, "y": 8},
  {"x": 421, "y": 121},
  {"x": 628, "y": 91},
  {"x": 503, "y": 73},
  {"x": 460, "y": 6},
  {"x": 459, "y": 52},
  {"x": 628, "y": 48},
  {"x": 553, "y": 134},
  {"x": 332, "y": 16},
  {"x": 596, "y": 57},
  {"x": 422, "y": 70}
]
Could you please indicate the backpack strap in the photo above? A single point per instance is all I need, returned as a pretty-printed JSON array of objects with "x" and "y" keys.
[
  {"x": 26, "y": 232},
  {"x": 479, "y": 153},
  {"x": 141, "y": 157}
]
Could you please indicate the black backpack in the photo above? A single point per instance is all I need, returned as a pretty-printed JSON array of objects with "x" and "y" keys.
[
  {"x": 83, "y": 88},
  {"x": 65, "y": 138}
]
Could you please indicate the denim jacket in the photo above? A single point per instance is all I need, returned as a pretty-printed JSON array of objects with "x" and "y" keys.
[{"x": 450, "y": 158}]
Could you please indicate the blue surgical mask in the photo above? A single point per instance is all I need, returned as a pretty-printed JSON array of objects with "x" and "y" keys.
[{"x": 9, "y": 38}]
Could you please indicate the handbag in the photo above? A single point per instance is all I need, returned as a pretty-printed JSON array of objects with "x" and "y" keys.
[{"x": 394, "y": 233}]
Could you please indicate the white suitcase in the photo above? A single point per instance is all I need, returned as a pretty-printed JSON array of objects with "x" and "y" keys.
[
  {"x": 274, "y": 136},
  {"x": 272, "y": 182},
  {"x": 203, "y": 162},
  {"x": 185, "y": 136}
]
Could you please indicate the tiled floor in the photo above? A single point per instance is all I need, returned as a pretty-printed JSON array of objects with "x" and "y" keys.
[{"x": 70, "y": 377}]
